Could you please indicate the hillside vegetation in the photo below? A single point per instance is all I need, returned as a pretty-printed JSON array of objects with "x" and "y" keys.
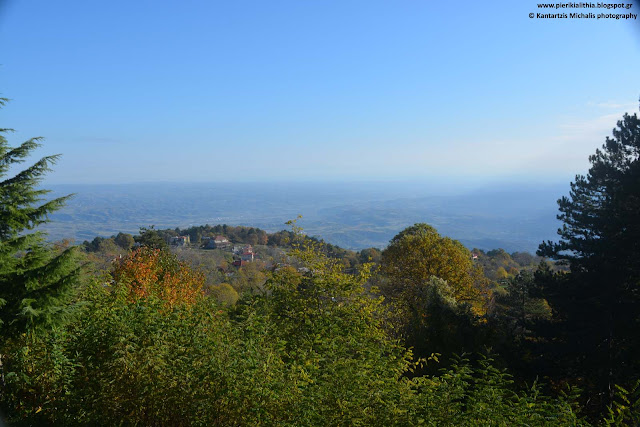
[{"x": 223, "y": 325}]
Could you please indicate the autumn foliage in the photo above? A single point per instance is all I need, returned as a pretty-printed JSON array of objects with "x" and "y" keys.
[
  {"x": 149, "y": 271},
  {"x": 419, "y": 253}
]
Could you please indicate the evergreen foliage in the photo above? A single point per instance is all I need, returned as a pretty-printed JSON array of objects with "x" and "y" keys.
[
  {"x": 597, "y": 306},
  {"x": 34, "y": 282}
]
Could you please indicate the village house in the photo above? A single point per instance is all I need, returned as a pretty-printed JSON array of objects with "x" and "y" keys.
[
  {"x": 180, "y": 241},
  {"x": 238, "y": 250},
  {"x": 240, "y": 263},
  {"x": 245, "y": 253},
  {"x": 217, "y": 242}
]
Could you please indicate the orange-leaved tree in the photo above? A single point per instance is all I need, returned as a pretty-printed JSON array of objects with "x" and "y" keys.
[{"x": 149, "y": 271}]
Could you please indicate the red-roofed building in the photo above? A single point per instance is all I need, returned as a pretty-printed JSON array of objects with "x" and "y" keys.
[{"x": 240, "y": 263}]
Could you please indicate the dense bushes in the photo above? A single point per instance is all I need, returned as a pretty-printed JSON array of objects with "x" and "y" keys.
[{"x": 312, "y": 349}]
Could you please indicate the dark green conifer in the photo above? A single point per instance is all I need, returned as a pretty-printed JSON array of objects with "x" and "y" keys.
[
  {"x": 35, "y": 280},
  {"x": 597, "y": 306}
]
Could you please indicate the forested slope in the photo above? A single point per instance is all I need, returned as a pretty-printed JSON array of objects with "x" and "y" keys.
[{"x": 221, "y": 325}]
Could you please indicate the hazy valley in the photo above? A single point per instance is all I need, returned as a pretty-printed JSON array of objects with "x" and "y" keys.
[{"x": 354, "y": 215}]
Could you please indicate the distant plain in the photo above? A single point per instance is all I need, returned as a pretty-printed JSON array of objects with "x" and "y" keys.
[{"x": 354, "y": 215}]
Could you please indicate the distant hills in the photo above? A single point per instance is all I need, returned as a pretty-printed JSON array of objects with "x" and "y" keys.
[{"x": 515, "y": 217}]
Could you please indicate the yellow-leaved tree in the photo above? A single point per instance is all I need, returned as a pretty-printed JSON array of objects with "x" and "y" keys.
[
  {"x": 418, "y": 252},
  {"x": 437, "y": 292}
]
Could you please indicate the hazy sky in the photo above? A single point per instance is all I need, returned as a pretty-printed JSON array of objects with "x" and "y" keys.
[{"x": 246, "y": 90}]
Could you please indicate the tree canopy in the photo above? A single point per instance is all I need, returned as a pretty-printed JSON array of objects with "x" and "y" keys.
[
  {"x": 597, "y": 306},
  {"x": 312, "y": 349},
  {"x": 418, "y": 252},
  {"x": 601, "y": 216},
  {"x": 33, "y": 280}
]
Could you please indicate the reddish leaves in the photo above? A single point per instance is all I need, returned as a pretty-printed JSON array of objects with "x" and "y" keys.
[{"x": 147, "y": 271}]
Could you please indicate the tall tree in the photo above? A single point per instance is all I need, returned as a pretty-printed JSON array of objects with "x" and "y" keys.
[
  {"x": 34, "y": 281},
  {"x": 603, "y": 207},
  {"x": 124, "y": 240},
  {"x": 598, "y": 304},
  {"x": 437, "y": 291},
  {"x": 418, "y": 253},
  {"x": 151, "y": 237}
]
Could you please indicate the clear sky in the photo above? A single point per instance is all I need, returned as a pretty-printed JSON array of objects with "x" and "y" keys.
[{"x": 188, "y": 90}]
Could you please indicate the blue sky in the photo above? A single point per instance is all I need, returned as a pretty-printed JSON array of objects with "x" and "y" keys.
[{"x": 134, "y": 91}]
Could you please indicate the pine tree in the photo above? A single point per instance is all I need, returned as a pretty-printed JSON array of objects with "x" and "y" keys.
[
  {"x": 597, "y": 306},
  {"x": 35, "y": 282},
  {"x": 602, "y": 215}
]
